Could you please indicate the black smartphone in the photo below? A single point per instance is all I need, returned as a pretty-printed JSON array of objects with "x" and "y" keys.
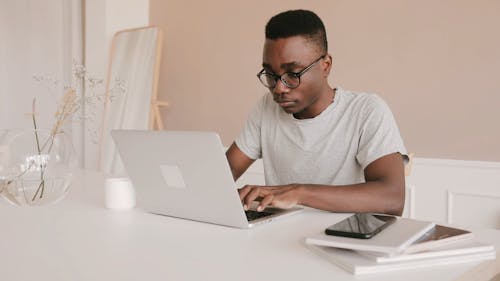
[{"x": 361, "y": 225}]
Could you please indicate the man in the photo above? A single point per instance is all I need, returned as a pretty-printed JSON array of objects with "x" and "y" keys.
[{"x": 321, "y": 147}]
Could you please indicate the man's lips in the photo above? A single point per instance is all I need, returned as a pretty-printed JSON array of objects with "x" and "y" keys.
[{"x": 286, "y": 103}]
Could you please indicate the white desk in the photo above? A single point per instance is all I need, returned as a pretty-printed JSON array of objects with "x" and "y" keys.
[{"x": 78, "y": 239}]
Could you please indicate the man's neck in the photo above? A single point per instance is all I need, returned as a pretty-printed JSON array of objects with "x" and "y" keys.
[{"x": 318, "y": 106}]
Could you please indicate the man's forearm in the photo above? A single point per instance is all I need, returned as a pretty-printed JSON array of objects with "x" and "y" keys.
[{"x": 375, "y": 196}]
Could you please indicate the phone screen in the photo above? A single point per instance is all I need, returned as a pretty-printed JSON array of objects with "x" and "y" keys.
[{"x": 361, "y": 225}]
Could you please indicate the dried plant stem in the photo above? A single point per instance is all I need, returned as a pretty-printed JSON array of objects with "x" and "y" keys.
[{"x": 41, "y": 187}]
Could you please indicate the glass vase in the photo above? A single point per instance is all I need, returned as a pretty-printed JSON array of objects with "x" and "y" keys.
[{"x": 36, "y": 166}]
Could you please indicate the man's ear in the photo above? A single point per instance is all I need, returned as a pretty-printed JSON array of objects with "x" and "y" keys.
[{"x": 327, "y": 65}]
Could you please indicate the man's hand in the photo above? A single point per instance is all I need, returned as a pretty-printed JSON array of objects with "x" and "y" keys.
[{"x": 282, "y": 196}]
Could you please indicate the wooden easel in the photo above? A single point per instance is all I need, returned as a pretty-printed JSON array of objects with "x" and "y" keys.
[{"x": 155, "y": 120}]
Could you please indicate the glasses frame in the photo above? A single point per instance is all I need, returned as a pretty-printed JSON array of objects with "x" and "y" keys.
[{"x": 293, "y": 74}]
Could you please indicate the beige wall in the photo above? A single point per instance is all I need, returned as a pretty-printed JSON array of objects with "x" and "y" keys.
[{"x": 435, "y": 62}]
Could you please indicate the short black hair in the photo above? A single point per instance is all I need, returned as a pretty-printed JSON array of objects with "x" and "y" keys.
[{"x": 298, "y": 22}]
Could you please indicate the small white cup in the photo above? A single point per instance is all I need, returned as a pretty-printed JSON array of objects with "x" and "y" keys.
[{"x": 119, "y": 194}]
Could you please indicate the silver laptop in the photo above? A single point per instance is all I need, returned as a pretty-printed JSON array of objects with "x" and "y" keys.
[{"x": 185, "y": 174}]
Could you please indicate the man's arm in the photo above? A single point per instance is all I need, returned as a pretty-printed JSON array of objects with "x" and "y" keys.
[
  {"x": 238, "y": 161},
  {"x": 383, "y": 191}
]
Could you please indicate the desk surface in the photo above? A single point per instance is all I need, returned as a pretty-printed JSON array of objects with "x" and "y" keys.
[{"x": 78, "y": 239}]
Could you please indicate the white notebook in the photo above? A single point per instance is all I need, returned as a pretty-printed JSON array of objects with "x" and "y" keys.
[
  {"x": 355, "y": 263},
  {"x": 391, "y": 241},
  {"x": 455, "y": 249}
]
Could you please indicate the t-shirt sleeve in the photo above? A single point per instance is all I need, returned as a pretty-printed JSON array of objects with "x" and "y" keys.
[
  {"x": 379, "y": 135},
  {"x": 249, "y": 140}
]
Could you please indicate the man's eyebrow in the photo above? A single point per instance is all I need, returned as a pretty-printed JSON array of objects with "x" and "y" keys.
[
  {"x": 289, "y": 65},
  {"x": 286, "y": 65}
]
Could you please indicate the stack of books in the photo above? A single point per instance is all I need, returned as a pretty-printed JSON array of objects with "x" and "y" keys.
[{"x": 406, "y": 244}]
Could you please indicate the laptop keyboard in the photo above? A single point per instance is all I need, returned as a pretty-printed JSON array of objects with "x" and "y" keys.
[{"x": 253, "y": 215}]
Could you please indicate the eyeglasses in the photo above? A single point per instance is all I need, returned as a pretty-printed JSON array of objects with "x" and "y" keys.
[{"x": 289, "y": 79}]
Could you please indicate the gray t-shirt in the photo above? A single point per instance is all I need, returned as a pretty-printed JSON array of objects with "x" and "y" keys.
[{"x": 332, "y": 148}]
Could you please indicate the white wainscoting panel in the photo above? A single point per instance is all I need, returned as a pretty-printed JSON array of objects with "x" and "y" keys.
[
  {"x": 473, "y": 210},
  {"x": 464, "y": 193}
]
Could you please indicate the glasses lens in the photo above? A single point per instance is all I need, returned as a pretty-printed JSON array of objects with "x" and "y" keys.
[
  {"x": 290, "y": 80},
  {"x": 267, "y": 80}
]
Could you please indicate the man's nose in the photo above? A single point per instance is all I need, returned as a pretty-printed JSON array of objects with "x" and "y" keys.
[{"x": 280, "y": 88}]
